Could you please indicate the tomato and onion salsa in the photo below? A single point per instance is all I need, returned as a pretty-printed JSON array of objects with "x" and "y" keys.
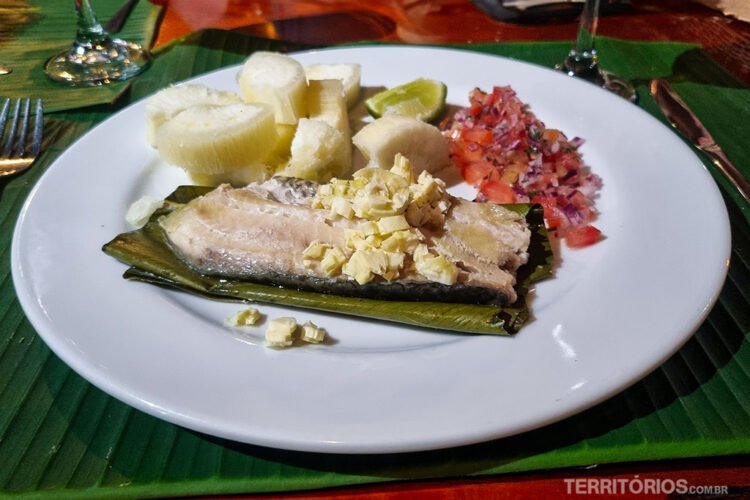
[{"x": 511, "y": 157}]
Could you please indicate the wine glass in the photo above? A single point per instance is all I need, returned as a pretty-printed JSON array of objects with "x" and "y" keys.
[
  {"x": 583, "y": 62},
  {"x": 96, "y": 58}
]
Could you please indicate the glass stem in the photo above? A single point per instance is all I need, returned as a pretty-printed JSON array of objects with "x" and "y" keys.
[
  {"x": 89, "y": 29},
  {"x": 582, "y": 60}
]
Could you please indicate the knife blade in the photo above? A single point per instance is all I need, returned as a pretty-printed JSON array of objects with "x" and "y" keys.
[{"x": 685, "y": 121}]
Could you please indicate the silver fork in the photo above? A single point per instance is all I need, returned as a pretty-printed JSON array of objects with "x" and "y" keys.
[{"x": 16, "y": 155}]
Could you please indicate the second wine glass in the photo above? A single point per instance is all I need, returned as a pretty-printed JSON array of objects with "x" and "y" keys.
[
  {"x": 95, "y": 58},
  {"x": 583, "y": 61}
]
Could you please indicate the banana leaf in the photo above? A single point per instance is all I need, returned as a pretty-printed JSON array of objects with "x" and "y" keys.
[{"x": 152, "y": 260}]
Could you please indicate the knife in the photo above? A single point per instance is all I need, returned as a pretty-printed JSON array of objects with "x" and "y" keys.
[{"x": 681, "y": 118}]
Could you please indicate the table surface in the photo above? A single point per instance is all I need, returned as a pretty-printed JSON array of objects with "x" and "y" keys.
[{"x": 725, "y": 39}]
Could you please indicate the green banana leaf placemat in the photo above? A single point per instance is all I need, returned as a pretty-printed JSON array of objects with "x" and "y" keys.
[
  {"x": 32, "y": 31},
  {"x": 62, "y": 437}
]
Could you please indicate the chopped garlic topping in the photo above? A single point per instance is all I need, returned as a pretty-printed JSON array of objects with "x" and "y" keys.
[
  {"x": 315, "y": 250},
  {"x": 429, "y": 201},
  {"x": 372, "y": 193},
  {"x": 402, "y": 166},
  {"x": 384, "y": 194},
  {"x": 435, "y": 267},
  {"x": 369, "y": 228},
  {"x": 359, "y": 267},
  {"x": 342, "y": 207},
  {"x": 401, "y": 241},
  {"x": 332, "y": 261},
  {"x": 392, "y": 205},
  {"x": 325, "y": 257},
  {"x": 366, "y": 263},
  {"x": 312, "y": 333},
  {"x": 388, "y": 225},
  {"x": 280, "y": 332},
  {"x": 245, "y": 317}
]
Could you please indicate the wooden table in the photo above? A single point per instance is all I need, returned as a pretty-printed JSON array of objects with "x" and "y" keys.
[{"x": 726, "y": 39}]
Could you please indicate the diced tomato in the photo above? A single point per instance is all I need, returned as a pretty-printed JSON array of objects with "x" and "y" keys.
[
  {"x": 546, "y": 202},
  {"x": 463, "y": 154},
  {"x": 476, "y": 108},
  {"x": 472, "y": 153},
  {"x": 476, "y": 171},
  {"x": 510, "y": 155},
  {"x": 496, "y": 95},
  {"x": 552, "y": 215},
  {"x": 477, "y": 135},
  {"x": 582, "y": 236},
  {"x": 497, "y": 191}
]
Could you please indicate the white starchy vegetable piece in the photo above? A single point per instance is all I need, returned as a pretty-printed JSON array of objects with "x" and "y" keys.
[
  {"x": 141, "y": 210},
  {"x": 166, "y": 103},
  {"x": 325, "y": 102},
  {"x": 280, "y": 332},
  {"x": 380, "y": 141},
  {"x": 245, "y": 317},
  {"x": 318, "y": 152},
  {"x": 348, "y": 73},
  {"x": 280, "y": 155},
  {"x": 312, "y": 333},
  {"x": 278, "y": 80},
  {"x": 229, "y": 142}
]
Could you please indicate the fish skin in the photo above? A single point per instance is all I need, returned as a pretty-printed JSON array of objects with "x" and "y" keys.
[{"x": 258, "y": 233}]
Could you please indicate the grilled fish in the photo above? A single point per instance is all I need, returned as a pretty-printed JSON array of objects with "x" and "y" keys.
[{"x": 259, "y": 233}]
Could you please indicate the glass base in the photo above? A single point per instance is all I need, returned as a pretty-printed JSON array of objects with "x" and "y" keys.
[
  {"x": 589, "y": 70},
  {"x": 99, "y": 62},
  {"x": 618, "y": 85}
]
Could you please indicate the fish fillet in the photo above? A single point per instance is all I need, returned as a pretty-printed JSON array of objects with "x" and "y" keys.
[{"x": 260, "y": 231}]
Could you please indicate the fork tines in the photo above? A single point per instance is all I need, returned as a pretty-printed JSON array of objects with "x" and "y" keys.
[{"x": 14, "y": 129}]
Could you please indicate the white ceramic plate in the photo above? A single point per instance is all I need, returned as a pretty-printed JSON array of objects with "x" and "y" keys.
[{"x": 614, "y": 311}]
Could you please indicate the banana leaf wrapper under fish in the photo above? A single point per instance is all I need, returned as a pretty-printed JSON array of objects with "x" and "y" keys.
[{"x": 152, "y": 260}]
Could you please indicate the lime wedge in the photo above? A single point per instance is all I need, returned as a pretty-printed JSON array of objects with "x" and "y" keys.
[{"x": 422, "y": 99}]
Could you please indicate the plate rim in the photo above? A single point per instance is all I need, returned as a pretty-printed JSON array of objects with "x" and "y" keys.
[{"x": 27, "y": 301}]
